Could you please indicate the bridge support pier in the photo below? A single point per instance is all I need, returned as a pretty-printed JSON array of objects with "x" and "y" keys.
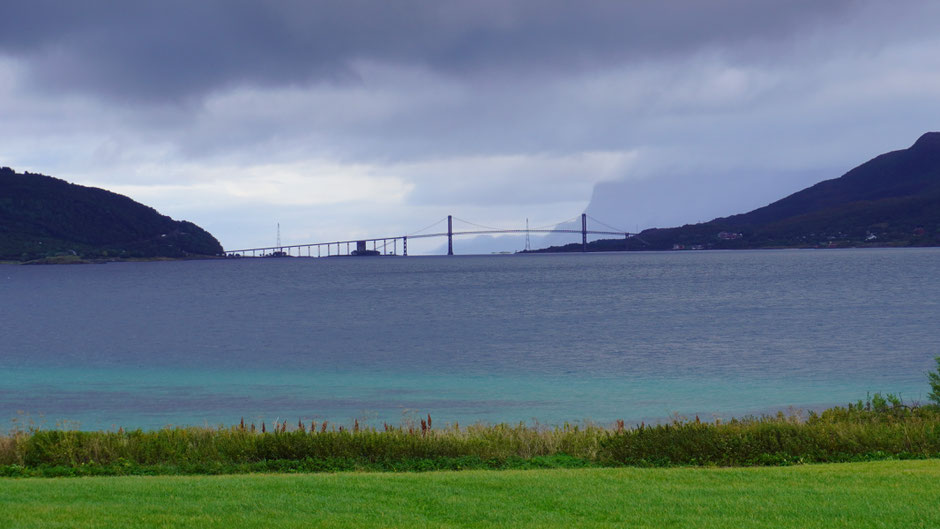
[
  {"x": 450, "y": 235},
  {"x": 584, "y": 232},
  {"x": 404, "y": 241}
]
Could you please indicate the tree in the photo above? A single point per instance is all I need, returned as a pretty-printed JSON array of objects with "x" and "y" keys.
[{"x": 934, "y": 377}]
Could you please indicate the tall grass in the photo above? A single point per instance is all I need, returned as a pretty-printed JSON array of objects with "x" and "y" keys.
[
  {"x": 239, "y": 445},
  {"x": 878, "y": 428}
]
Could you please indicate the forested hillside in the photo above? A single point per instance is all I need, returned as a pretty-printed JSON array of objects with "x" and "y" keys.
[{"x": 41, "y": 217}]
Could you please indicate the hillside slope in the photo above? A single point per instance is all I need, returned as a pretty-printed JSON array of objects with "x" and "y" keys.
[
  {"x": 41, "y": 216},
  {"x": 891, "y": 200},
  {"x": 905, "y": 173}
]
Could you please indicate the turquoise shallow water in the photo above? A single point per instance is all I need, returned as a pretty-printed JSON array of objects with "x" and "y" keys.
[{"x": 639, "y": 336}]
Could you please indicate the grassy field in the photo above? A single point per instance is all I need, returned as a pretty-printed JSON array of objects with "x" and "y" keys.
[{"x": 901, "y": 494}]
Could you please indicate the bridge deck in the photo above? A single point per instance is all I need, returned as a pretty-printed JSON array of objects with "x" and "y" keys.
[{"x": 393, "y": 241}]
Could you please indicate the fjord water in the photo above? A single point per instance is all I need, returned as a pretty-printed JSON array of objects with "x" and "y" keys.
[{"x": 548, "y": 338}]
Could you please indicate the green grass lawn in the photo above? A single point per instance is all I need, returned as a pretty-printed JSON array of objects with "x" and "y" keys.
[{"x": 904, "y": 494}]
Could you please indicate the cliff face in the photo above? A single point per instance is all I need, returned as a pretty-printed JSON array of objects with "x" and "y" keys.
[{"x": 41, "y": 216}]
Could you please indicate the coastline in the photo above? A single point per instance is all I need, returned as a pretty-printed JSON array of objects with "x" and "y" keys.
[{"x": 73, "y": 259}]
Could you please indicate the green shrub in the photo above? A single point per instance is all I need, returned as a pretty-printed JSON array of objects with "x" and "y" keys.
[{"x": 934, "y": 377}]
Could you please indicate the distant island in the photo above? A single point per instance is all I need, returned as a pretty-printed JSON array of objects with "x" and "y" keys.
[
  {"x": 891, "y": 200},
  {"x": 50, "y": 220}
]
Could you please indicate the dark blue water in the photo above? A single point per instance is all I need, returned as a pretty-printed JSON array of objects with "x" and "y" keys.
[{"x": 553, "y": 338}]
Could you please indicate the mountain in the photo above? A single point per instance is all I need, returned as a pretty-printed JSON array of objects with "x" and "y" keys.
[
  {"x": 42, "y": 216},
  {"x": 891, "y": 200}
]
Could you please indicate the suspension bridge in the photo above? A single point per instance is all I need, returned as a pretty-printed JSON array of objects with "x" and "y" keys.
[{"x": 390, "y": 245}]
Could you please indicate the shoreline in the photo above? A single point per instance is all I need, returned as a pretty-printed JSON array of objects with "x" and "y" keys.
[
  {"x": 68, "y": 260},
  {"x": 72, "y": 259}
]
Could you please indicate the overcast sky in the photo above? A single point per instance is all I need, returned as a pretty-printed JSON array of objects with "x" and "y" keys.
[{"x": 361, "y": 118}]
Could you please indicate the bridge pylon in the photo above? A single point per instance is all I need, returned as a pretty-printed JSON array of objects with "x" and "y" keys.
[
  {"x": 584, "y": 232},
  {"x": 450, "y": 235}
]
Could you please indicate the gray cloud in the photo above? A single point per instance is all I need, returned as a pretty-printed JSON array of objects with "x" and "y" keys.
[
  {"x": 175, "y": 50},
  {"x": 354, "y": 118}
]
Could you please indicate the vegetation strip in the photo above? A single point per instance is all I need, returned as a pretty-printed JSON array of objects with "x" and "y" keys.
[
  {"x": 900, "y": 494},
  {"x": 881, "y": 428}
]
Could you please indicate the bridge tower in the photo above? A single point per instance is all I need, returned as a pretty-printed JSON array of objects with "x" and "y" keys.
[
  {"x": 528, "y": 247},
  {"x": 584, "y": 232},
  {"x": 450, "y": 235}
]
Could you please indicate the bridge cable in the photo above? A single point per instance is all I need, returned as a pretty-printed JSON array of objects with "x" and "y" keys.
[
  {"x": 428, "y": 227},
  {"x": 607, "y": 225},
  {"x": 480, "y": 225},
  {"x": 552, "y": 225},
  {"x": 556, "y": 224}
]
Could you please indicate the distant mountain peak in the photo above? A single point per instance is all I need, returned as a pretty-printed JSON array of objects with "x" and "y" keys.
[{"x": 930, "y": 140}]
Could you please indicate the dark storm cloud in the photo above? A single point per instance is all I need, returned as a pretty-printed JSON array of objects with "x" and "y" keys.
[
  {"x": 341, "y": 118},
  {"x": 172, "y": 50}
]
